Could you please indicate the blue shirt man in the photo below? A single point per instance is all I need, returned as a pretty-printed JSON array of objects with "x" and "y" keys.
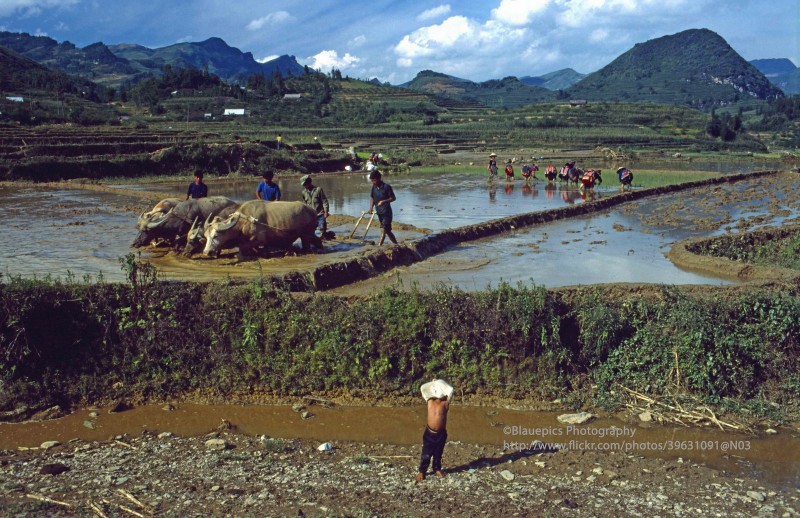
[
  {"x": 268, "y": 190},
  {"x": 197, "y": 189}
]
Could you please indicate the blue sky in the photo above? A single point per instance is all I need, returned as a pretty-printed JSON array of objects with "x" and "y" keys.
[{"x": 393, "y": 40}]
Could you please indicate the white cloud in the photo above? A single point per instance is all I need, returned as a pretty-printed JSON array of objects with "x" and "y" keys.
[
  {"x": 328, "y": 59},
  {"x": 425, "y": 41},
  {"x": 519, "y": 12},
  {"x": 185, "y": 39},
  {"x": 434, "y": 13},
  {"x": 598, "y": 35},
  {"x": 357, "y": 41},
  {"x": 268, "y": 58},
  {"x": 268, "y": 20},
  {"x": 583, "y": 13},
  {"x": 29, "y": 8}
]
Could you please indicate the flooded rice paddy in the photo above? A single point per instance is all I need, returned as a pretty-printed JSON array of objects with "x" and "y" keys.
[{"x": 83, "y": 233}]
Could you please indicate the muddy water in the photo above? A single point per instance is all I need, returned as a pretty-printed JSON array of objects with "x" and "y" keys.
[
  {"x": 772, "y": 458},
  {"x": 624, "y": 244},
  {"x": 83, "y": 233}
]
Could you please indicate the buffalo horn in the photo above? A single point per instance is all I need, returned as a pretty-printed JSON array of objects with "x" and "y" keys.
[
  {"x": 230, "y": 222},
  {"x": 153, "y": 223}
]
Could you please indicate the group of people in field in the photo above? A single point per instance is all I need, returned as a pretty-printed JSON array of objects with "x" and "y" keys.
[
  {"x": 569, "y": 173},
  {"x": 381, "y": 197}
]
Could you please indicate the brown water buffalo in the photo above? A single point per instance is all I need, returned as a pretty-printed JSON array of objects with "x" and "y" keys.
[
  {"x": 158, "y": 210},
  {"x": 274, "y": 224},
  {"x": 175, "y": 224},
  {"x": 196, "y": 238}
]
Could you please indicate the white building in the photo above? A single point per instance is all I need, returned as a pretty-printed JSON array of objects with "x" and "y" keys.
[{"x": 236, "y": 111}]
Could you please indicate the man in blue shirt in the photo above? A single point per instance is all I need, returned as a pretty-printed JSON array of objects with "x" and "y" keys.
[
  {"x": 381, "y": 198},
  {"x": 267, "y": 189},
  {"x": 197, "y": 189}
]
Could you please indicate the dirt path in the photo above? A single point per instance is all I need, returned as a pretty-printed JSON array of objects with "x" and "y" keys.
[{"x": 240, "y": 475}]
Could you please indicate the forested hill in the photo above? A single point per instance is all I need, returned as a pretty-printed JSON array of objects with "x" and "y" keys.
[
  {"x": 20, "y": 75},
  {"x": 496, "y": 93},
  {"x": 696, "y": 68}
]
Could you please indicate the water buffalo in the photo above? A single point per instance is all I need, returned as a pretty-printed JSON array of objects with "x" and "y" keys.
[
  {"x": 275, "y": 224},
  {"x": 196, "y": 239},
  {"x": 157, "y": 211},
  {"x": 175, "y": 224}
]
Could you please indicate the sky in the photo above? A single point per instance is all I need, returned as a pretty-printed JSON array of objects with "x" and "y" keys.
[{"x": 393, "y": 40}]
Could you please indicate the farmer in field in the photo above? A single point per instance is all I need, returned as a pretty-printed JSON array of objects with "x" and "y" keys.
[
  {"x": 267, "y": 189},
  {"x": 381, "y": 197},
  {"x": 437, "y": 395},
  {"x": 492, "y": 165},
  {"x": 278, "y": 141},
  {"x": 197, "y": 189},
  {"x": 315, "y": 197}
]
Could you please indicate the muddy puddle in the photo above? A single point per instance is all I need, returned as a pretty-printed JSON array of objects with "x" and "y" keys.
[
  {"x": 773, "y": 458},
  {"x": 83, "y": 233}
]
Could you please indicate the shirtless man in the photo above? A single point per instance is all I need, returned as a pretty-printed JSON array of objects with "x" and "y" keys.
[{"x": 437, "y": 394}]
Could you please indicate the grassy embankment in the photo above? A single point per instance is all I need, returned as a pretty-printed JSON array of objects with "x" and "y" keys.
[
  {"x": 779, "y": 246},
  {"x": 149, "y": 340}
]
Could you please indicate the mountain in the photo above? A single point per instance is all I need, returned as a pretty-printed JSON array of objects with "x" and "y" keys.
[
  {"x": 94, "y": 62},
  {"x": 213, "y": 54},
  {"x": 696, "y": 67},
  {"x": 558, "y": 80},
  {"x": 114, "y": 64},
  {"x": 781, "y": 72},
  {"x": 508, "y": 92}
]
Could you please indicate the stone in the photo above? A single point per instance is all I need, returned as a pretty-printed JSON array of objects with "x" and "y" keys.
[
  {"x": 218, "y": 444},
  {"x": 579, "y": 418},
  {"x": 298, "y": 407},
  {"x": 93, "y": 414},
  {"x": 49, "y": 444},
  {"x": 165, "y": 435},
  {"x": 54, "y": 469},
  {"x": 89, "y": 425},
  {"x": 771, "y": 431},
  {"x": 507, "y": 475},
  {"x": 326, "y": 446},
  {"x": 54, "y": 412},
  {"x": 758, "y": 496},
  {"x": 540, "y": 463},
  {"x": 168, "y": 407},
  {"x": 119, "y": 406},
  {"x": 306, "y": 415},
  {"x": 645, "y": 417},
  {"x": 598, "y": 471},
  {"x": 215, "y": 488}
]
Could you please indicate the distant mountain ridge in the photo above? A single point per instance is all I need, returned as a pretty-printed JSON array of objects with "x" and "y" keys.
[
  {"x": 558, "y": 80},
  {"x": 508, "y": 91},
  {"x": 114, "y": 64},
  {"x": 213, "y": 54},
  {"x": 696, "y": 67},
  {"x": 781, "y": 72}
]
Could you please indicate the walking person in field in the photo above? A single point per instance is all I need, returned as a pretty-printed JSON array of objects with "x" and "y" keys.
[
  {"x": 197, "y": 189},
  {"x": 381, "y": 197},
  {"x": 437, "y": 395},
  {"x": 492, "y": 166},
  {"x": 268, "y": 190},
  {"x": 314, "y": 197}
]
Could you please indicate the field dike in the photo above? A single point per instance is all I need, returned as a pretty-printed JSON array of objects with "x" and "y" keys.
[
  {"x": 376, "y": 262},
  {"x": 698, "y": 255},
  {"x": 70, "y": 344}
]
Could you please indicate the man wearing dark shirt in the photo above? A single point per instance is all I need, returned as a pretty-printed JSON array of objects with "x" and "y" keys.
[
  {"x": 381, "y": 198},
  {"x": 268, "y": 190},
  {"x": 197, "y": 189}
]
